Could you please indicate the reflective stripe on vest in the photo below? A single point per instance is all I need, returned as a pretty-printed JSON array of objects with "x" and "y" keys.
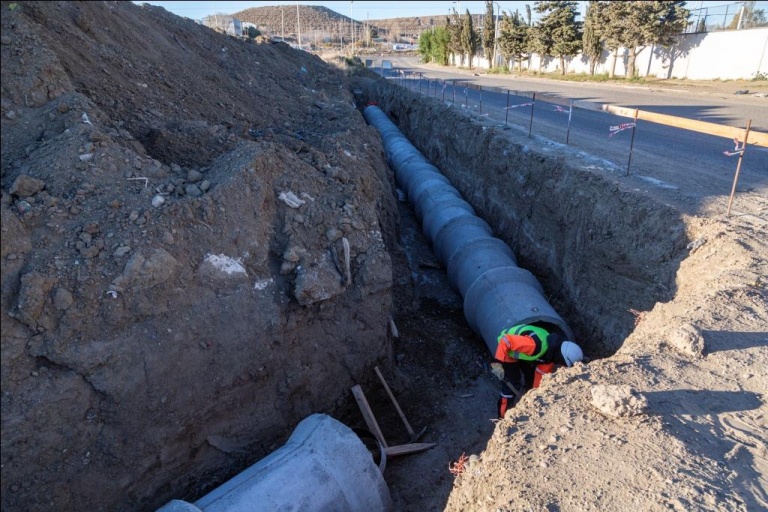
[{"x": 523, "y": 330}]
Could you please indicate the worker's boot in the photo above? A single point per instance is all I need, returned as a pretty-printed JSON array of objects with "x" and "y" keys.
[{"x": 504, "y": 403}]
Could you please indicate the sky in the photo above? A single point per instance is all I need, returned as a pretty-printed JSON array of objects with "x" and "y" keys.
[{"x": 362, "y": 10}]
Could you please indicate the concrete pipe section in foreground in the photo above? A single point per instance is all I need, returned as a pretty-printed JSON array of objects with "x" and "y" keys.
[
  {"x": 497, "y": 293},
  {"x": 323, "y": 466}
]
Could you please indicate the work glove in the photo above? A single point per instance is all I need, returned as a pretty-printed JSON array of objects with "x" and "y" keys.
[{"x": 497, "y": 370}]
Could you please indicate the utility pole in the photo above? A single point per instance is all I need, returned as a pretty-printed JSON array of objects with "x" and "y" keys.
[
  {"x": 496, "y": 36},
  {"x": 298, "y": 23},
  {"x": 741, "y": 15},
  {"x": 352, "y": 28}
]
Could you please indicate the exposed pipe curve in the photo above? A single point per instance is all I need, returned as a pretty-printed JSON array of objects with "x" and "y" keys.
[{"x": 497, "y": 293}]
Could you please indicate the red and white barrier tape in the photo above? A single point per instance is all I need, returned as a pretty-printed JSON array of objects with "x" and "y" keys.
[
  {"x": 520, "y": 105},
  {"x": 620, "y": 128},
  {"x": 738, "y": 148}
]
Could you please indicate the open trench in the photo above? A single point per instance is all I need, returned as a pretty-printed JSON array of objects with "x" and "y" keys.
[{"x": 598, "y": 251}]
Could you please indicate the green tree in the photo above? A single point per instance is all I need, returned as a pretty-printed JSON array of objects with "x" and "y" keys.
[
  {"x": 253, "y": 33},
  {"x": 433, "y": 45},
  {"x": 558, "y": 33},
  {"x": 591, "y": 42},
  {"x": 455, "y": 28},
  {"x": 637, "y": 25},
  {"x": 441, "y": 42},
  {"x": 425, "y": 46},
  {"x": 489, "y": 34},
  {"x": 513, "y": 38},
  {"x": 469, "y": 39}
]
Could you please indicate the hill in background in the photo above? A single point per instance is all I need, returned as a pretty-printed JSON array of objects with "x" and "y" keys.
[{"x": 320, "y": 24}]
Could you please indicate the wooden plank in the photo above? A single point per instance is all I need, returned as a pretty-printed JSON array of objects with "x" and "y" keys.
[
  {"x": 719, "y": 130},
  {"x": 405, "y": 449},
  {"x": 368, "y": 416},
  {"x": 397, "y": 406}
]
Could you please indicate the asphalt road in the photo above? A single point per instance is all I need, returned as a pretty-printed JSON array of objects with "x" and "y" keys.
[{"x": 689, "y": 165}]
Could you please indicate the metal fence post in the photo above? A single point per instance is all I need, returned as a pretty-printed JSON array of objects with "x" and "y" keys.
[
  {"x": 420, "y": 75},
  {"x": 454, "y": 93},
  {"x": 568, "y": 131},
  {"x": 481, "y": 99},
  {"x": 738, "y": 167},
  {"x": 506, "y": 112},
  {"x": 632, "y": 141},
  {"x": 444, "y": 86},
  {"x": 530, "y": 124}
]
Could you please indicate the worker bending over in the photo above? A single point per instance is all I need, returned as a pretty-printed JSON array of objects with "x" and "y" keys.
[{"x": 523, "y": 355}]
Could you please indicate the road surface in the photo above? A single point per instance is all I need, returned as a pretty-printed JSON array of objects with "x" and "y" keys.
[{"x": 688, "y": 167}]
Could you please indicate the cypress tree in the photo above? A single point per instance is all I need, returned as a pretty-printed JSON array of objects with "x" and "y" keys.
[
  {"x": 592, "y": 44},
  {"x": 469, "y": 39},
  {"x": 489, "y": 34}
]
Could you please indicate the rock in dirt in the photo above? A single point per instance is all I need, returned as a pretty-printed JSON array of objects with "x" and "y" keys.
[
  {"x": 193, "y": 191},
  {"x": 142, "y": 273},
  {"x": 618, "y": 401},
  {"x": 687, "y": 340},
  {"x": 320, "y": 281},
  {"x": 62, "y": 299},
  {"x": 33, "y": 295},
  {"x": 25, "y": 186}
]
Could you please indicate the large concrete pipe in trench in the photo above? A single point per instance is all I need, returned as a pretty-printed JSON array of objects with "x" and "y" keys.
[
  {"x": 323, "y": 466},
  {"x": 497, "y": 293}
]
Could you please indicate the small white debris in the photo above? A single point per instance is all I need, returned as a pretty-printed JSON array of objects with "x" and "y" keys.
[
  {"x": 86, "y": 120},
  {"x": 393, "y": 328},
  {"x": 85, "y": 157},
  {"x": 290, "y": 199},
  {"x": 157, "y": 201},
  {"x": 226, "y": 264},
  {"x": 348, "y": 153},
  {"x": 112, "y": 293},
  {"x": 260, "y": 285},
  {"x": 307, "y": 196},
  {"x": 694, "y": 246}
]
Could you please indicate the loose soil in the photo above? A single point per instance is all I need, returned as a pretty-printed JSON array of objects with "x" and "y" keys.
[{"x": 175, "y": 296}]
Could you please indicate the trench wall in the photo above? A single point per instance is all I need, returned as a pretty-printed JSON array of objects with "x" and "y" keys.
[{"x": 598, "y": 250}]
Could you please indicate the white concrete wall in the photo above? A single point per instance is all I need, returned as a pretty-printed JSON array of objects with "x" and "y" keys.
[{"x": 731, "y": 54}]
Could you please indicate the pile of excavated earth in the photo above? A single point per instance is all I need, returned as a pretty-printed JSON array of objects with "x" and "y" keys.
[{"x": 202, "y": 245}]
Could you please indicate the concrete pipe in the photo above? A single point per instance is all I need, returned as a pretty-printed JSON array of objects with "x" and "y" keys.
[
  {"x": 473, "y": 260},
  {"x": 497, "y": 293},
  {"x": 426, "y": 198},
  {"x": 457, "y": 233},
  {"x": 443, "y": 212},
  {"x": 323, "y": 466},
  {"x": 504, "y": 297}
]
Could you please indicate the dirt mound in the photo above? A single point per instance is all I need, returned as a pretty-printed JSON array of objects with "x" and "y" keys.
[{"x": 175, "y": 295}]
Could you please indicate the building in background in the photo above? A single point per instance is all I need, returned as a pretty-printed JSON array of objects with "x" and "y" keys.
[{"x": 224, "y": 23}]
